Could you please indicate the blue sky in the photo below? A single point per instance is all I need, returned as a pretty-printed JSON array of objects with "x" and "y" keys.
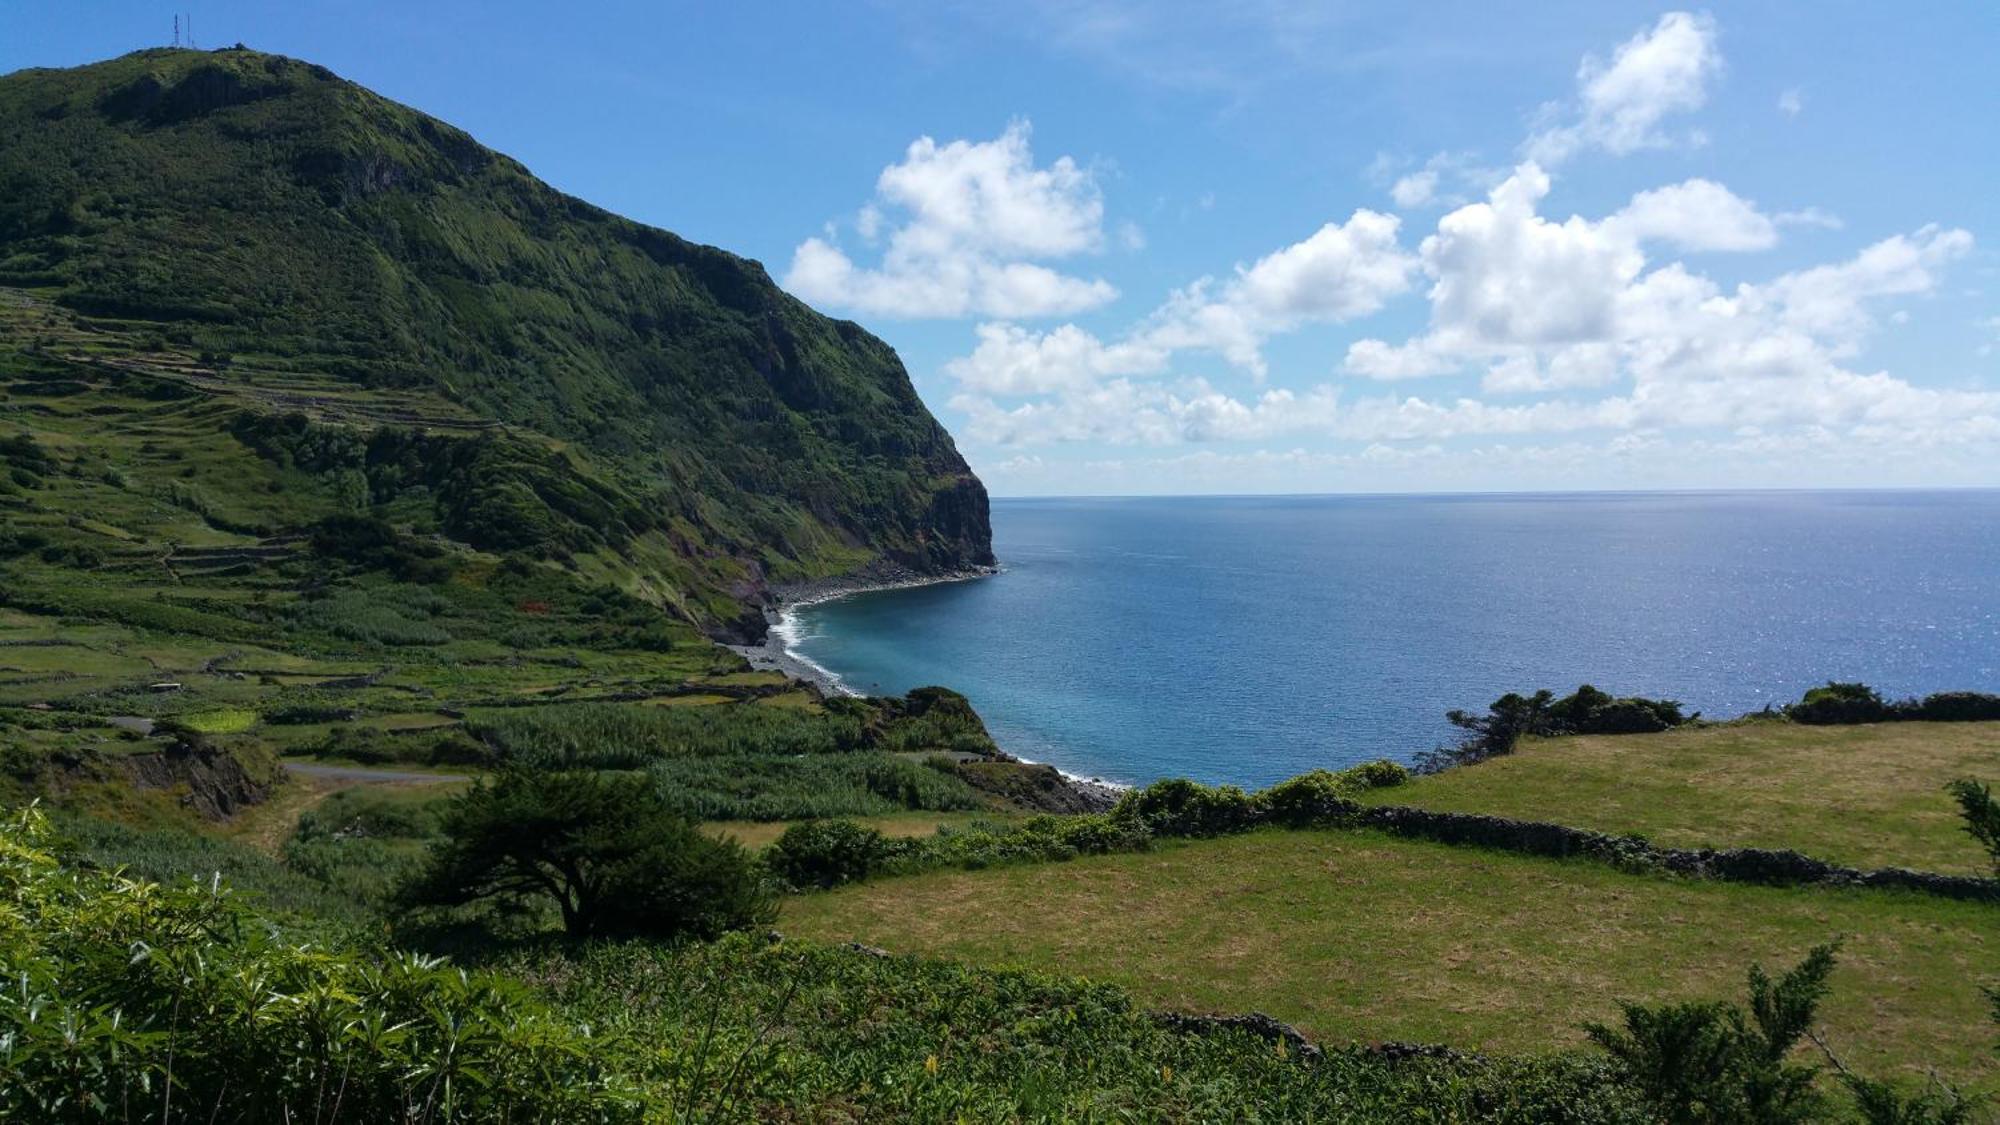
[{"x": 1135, "y": 247}]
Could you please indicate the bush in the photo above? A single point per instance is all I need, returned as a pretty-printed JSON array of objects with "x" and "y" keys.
[
  {"x": 613, "y": 856},
  {"x": 827, "y": 853},
  {"x": 1840, "y": 704},
  {"x": 1310, "y": 799},
  {"x": 1957, "y": 707},
  {"x": 1590, "y": 711},
  {"x": 1179, "y": 807},
  {"x": 1378, "y": 774},
  {"x": 1039, "y": 839}
]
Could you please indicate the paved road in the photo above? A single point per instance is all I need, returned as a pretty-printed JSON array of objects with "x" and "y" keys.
[{"x": 363, "y": 773}]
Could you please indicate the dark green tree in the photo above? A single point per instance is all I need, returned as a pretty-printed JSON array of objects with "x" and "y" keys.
[{"x": 606, "y": 849}]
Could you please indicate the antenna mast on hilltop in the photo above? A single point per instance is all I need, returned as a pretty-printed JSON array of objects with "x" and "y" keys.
[{"x": 177, "y": 29}]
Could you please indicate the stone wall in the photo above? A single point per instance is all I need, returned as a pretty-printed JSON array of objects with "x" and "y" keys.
[{"x": 1742, "y": 865}]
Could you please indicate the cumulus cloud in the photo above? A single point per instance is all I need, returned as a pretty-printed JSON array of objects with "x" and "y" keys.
[
  {"x": 1696, "y": 215},
  {"x": 1341, "y": 271},
  {"x": 1543, "y": 306},
  {"x": 1620, "y": 105},
  {"x": 1792, "y": 102},
  {"x": 1010, "y": 360},
  {"x": 965, "y": 226}
]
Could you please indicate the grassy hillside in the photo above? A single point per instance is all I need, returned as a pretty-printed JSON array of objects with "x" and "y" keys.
[
  {"x": 1866, "y": 796},
  {"x": 1355, "y": 936},
  {"x": 391, "y": 318}
]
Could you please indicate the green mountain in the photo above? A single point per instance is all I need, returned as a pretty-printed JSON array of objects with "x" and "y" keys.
[{"x": 399, "y": 324}]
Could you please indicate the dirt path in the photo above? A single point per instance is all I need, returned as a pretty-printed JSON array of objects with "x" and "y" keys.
[
  {"x": 364, "y": 775},
  {"x": 266, "y": 827}
]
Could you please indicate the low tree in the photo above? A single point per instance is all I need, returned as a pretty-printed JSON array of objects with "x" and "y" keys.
[
  {"x": 1982, "y": 815},
  {"x": 606, "y": 849}
]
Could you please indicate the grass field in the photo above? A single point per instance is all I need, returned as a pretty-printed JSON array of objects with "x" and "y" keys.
[
  {"x": 1869, "y": 796},
  {"x": 1355, "y": 936}
]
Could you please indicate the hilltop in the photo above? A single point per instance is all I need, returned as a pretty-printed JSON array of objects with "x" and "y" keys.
[{"x": 411, "y": 325}]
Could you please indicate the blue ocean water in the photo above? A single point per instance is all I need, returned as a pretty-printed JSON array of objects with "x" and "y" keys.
[{"x": 1247, "y": 639}]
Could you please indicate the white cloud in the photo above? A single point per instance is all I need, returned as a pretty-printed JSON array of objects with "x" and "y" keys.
[
  {"x": 1696, "y": 215},
  {"x": 1809, "y": 217},
  {"x": 1620, "y": 105},
  {"x": 973, "y": 220},
  {"x": 1416, "y": 189},
  {"x": 1444, "y": 180},
  {"x": 1341, "y": 271},
  {"x": 1504, "y": 274},
  {"x": 1010, "y": 360},
  {"x": 1792, "y": 102}
]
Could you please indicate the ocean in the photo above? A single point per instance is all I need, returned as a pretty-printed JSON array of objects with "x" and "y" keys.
[{"x": 1247, "y": 639}]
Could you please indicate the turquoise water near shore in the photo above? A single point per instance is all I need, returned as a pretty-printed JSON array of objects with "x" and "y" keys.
[{"x": 1247, "y": 639}]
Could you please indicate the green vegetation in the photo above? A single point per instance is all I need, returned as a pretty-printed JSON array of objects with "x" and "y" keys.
[
  {"x": 611, "y": 854},
  {"x": 1982, "y": 815},
  {"x": 1356, "y": 936},
  {"x": 1840, "y": 704},
  {"x": 828, "y": 853},
  {"x": 1708, "y": 1061},
  {"x": 1514, "y": 716},
  {"x": 129, "y": 1000},
  {"x": 1863, "y": 796}
]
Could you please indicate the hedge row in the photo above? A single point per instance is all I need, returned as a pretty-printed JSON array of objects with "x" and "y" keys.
[{"x": 831, "y": 852}]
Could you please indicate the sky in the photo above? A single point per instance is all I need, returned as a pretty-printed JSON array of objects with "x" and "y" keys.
[{"x": 1174, "y": 247}]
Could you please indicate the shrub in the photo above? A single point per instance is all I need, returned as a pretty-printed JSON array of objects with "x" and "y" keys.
[
  {"x": 827, "y": 853},
  {"x": 1038, "y": 839},
  {"x": 1316, "y": 798},
  {"x": 613, "y": 856},
  {"x": 1179, "y": 807},
  {"x": 1378, "y": 774},
  {"x": 1838, "y": 704},
  {"x": 1957, "y": 707}
]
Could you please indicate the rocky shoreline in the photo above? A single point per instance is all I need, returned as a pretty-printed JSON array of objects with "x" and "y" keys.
[
  {"x": 1057, "y": 790},
  {"x": 772, "y": 653}
]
